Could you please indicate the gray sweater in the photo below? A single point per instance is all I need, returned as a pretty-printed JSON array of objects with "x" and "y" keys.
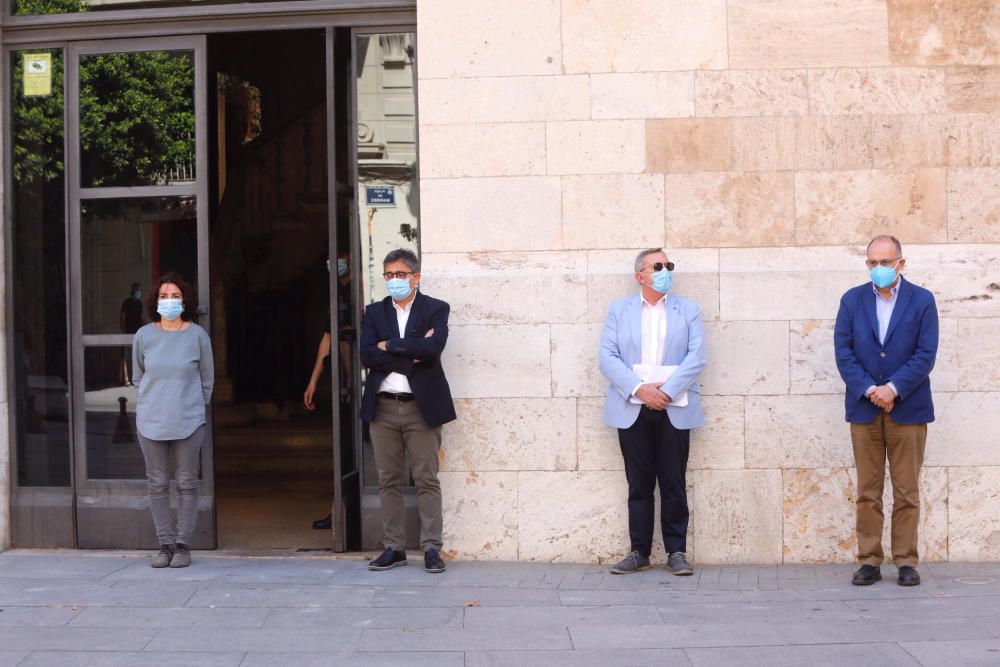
[{"x": 173, "y": 374}]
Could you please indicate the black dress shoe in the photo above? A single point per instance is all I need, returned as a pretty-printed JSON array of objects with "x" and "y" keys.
[
  {"x": 866, "y": 575},
  {"x": 908, "y": 576},
  {"x": 389, "y": 559},
  {"x": 324, "y": 523}
]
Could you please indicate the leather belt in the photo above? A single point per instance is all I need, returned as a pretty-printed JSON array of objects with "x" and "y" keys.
[{"x": 395, "y": 397}]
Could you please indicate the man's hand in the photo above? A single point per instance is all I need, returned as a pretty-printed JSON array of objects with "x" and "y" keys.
[
  {"x": 882, "y": 397},
  {"x": 651, "y": 396},
  {"x": 430, "y": 332},
  {"x": 382, "y": 346}
]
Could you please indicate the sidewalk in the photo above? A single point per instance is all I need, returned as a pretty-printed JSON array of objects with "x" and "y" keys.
[{"x": 93, "y": 608}]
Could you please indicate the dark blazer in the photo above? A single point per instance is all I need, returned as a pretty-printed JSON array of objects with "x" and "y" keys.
[
  {"x": 905, "y": 358},
  {"x": 413, "y": 355}
]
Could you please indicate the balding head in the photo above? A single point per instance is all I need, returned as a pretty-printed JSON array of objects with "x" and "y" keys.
[{"x": 883, "y": 242}]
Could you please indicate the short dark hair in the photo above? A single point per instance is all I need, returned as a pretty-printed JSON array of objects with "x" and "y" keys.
[
  {"x": 404, "y": 255},
  {"x": 883, "y": 237},
  {"x": 188, "y": 296}
]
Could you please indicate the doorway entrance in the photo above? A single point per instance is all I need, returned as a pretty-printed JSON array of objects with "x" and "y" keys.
[
  {"x": 270, "y": 239},
  {"x": 245, "y": 160}
]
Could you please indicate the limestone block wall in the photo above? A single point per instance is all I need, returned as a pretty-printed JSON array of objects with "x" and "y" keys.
[{"x": 762, "y": 142}]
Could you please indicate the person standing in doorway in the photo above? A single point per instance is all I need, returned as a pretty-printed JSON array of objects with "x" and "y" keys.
[
  {"x": 886, "y": 340},
  {"x": 652, "y": 352},
  {"x": 406, "y": 400},
  {"x": 129, "y": 321},
  {"x": 323, "y": 360},
  {"x": 174, "y": 376}
]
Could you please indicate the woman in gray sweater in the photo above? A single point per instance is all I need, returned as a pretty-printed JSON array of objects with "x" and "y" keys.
[{"x": 173, "y": 375}]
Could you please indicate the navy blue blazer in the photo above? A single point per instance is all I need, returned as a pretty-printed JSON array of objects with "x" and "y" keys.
[
  {"x": 411, "y": 354},
  {"x": 905, "y": 358}
]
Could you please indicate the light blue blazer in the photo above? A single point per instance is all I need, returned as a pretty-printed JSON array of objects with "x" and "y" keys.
[{"x": 621, "y": 347}]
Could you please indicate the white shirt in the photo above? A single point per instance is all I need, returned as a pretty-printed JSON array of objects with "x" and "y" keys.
[
  {"x": 883, "y": 313},
  {"x": 396, "y": 383},
  {"x": 654, "y": 332}
]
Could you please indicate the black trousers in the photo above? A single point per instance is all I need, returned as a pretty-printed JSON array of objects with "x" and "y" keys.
[{"x": 655, "y": 451}]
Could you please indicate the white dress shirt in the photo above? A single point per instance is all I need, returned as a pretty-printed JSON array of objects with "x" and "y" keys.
[
  {"x": 396, "y": 383},
  {"x": 883, "y": 313},
  {"x": 654, "y": 332}
]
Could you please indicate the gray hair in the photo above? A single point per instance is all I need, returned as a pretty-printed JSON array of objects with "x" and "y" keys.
[
  {"x": 886, "y": 237},
  {"x": 405, "y": 256},
  {"x": 640, "y": 259}
]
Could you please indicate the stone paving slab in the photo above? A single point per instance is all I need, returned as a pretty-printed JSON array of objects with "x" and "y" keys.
[
  {"x": 130, "y": 659},
  {"x": 534, "y": 617},
  {"x": 412, "y": 617},
  {"x": 305, "y": 640},
  {"x": 430, "y": 659},
  {"x": 604, "y": 658},
  {"x": 675, "y": 636},
  {"x": 927, "y": 609},
  {"x": 981, "y": 653},
  {"x": 465, "y": 639},
  {"x": 36, "y": 616},
  {"x": 169, "y": 617},
  {"x": 278, "y": 595},
  {"x": 74, "y": 639},
  {"x": 87, "y": 608},
  {"x": 817, "y": 655}
]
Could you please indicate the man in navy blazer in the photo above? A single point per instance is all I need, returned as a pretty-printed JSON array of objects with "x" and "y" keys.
[
  {"x": 654, "y": 418},
  {"x": 886, "y": 339},
  {"x": 406, "y": 400}
]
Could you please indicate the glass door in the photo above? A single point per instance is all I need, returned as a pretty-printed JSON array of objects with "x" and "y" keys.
[{"x": 138, "y": 208}]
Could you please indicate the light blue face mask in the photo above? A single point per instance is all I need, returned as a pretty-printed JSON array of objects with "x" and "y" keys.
[
  {"x": 341, "y": 267},
  {"x": 398, "y": 288},
  {"x": 137, "y": 294},
  {"x": 662, "y": 280},
  {"x": 883, "y": 276},
  {"x": 170, "y": 308}
]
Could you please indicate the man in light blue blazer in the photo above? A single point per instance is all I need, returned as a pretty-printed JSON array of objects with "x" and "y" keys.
[{"x": 654, "y": 328}]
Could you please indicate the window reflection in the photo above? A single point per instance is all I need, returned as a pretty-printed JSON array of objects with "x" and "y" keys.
[
  {"x": 38, "y": 275},
  {"x": 386, "y": 150},
  {"x": 126, "y": 244},
  {"x": 137, "y": 118},
  {"x": 109, "y": 398}
]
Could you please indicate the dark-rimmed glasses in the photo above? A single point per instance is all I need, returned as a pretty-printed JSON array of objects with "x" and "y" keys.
[
  {"x": 389, "y": 275},
  {"x": 887, "y": 263}
]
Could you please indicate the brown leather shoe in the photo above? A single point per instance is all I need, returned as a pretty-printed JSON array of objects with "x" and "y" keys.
[{"x": 908, "y": 576}]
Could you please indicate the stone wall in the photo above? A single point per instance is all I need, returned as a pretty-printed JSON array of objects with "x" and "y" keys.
[{"x": 762, "y": 142}]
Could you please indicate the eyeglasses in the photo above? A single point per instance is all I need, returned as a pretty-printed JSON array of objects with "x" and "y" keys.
[
  {"x": 389, "y": 275},
  {"x": 659, "y": 266},
  {"x": 886, "y": 263}
]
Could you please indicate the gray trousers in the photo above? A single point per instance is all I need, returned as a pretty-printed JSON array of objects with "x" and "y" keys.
[
  {"x": 184, "y": 455},
  {"x": 399, "y": 429}
]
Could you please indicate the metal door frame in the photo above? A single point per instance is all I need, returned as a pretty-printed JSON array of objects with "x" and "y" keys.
[
  {"x": 119, "y": 495},
  {"x": 65, "y": 31}
]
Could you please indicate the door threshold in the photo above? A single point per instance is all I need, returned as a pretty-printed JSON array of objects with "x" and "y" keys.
[{"x": 227, "y": 552}]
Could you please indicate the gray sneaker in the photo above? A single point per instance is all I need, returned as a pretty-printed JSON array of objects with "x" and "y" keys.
[
  {"x": 634, "y": 562},
  {"x": 677, "y": 563},
  {"x": 163, "y": 558},
  {"x": 183, "y": 556}
]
